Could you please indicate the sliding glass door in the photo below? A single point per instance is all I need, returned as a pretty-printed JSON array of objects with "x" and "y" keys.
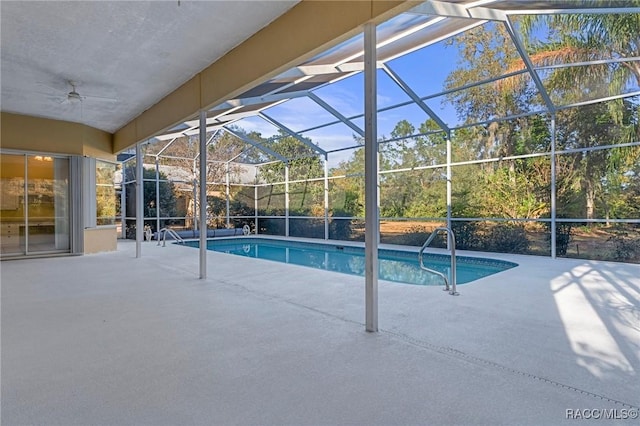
[{"x": 34, "y": 215}]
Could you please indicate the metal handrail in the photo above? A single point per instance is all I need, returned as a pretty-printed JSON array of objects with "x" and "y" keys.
[
  {"x": 451, "y": 242},
  {"x": 162, "y": 235}
]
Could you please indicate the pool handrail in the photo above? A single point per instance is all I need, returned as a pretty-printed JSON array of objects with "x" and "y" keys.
[
  {"x": 162, "y": 235},
  {"x": 451, "y": 242}
]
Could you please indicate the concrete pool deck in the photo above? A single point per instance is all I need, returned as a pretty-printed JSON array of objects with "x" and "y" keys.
[{"x": 108, "y": 339}]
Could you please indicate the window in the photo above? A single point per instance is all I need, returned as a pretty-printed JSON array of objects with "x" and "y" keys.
[{"x": 106, "y": 202}]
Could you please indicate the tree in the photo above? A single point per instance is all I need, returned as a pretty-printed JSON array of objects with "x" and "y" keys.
[
  {"x": 413, "y": 193},
  {"x": 585, "y": 37},
  {"x": 506, "y": 188},
  {"x": 168, "y": 207},
  {"x": 305, "y": 197}
]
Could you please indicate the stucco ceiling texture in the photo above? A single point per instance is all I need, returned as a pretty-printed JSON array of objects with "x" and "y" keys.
[{"x": 131, "y": 53}]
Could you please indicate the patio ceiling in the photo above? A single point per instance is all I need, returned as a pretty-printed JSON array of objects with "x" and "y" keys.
[{"x": 123, "y": 56}]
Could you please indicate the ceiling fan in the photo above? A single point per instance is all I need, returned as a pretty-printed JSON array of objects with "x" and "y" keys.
[{"x": 74, "y": 97}]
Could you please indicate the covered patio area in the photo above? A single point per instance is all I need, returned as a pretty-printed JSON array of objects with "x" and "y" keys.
[{"x": 144, "y": 341}]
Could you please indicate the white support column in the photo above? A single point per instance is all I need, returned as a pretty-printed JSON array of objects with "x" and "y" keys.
[
  {"x": 326, "y": 196},
  {"x": 255, "y": 208},
  {"x": 286, "y": 199},
  {"x": 553, "y": 186},
  {"x": 123, "y": 206},
  {"x": 227, "y": 193},
  {"x": 194, "y": 169},
  {"x": 203, "y": 194},
  {"x": 449, "y": 176},
  {"x": 139, "y": 201},
  {"x": 157, "y": 196},
  {"x": 371, "y": 215}
]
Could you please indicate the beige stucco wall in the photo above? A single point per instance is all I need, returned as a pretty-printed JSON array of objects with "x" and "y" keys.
[
  {"x": 61, "y": 137},
  {"x": 100, "y": 239},
  {"x": 305, "y": 30},
  {"x": 37, "y": 134}
]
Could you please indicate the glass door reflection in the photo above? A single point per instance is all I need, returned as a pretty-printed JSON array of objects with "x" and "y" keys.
[
  {"x": 47, "y": 220},
  {"x": 34, "y": 204},
  {"x": 12, "y": 208}
]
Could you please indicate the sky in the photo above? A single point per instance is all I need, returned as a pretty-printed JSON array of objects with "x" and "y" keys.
[{"x": 424, "y": 70}]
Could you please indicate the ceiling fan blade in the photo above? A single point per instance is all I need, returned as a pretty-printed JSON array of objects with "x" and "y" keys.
[
  {"x": 55, "y": 89},
  {"x": 99, "y": 98}
]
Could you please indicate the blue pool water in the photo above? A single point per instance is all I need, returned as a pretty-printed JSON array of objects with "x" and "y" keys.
[{"x": 395, "y": 265}]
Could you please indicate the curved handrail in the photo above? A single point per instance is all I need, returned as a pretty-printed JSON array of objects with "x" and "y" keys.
[
  {"x": 162, "y": 235},
  {"x": 451, "y": 242}
]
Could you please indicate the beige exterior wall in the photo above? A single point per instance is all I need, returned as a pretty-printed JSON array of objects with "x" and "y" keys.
[
  {"x": 306, "y": 30},
  {"x": 100, "y": 239},
  {"x": 26, "y": 133},
  {"x": 61, "y": 137}
]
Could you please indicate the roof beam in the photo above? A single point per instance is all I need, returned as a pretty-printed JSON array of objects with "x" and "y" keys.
[
  {"x": 291, "y": 133},
  {"x": 575, "y": 10},
  {"x": 215, "y": 132},
  {"x": 457, "y": 10},
  {"x": 529, "y": 65},
  {"x": 323, "y": 69},
  {"x": 336, "y": 113},
  {"x": 256, "y": 144},
  {"x": 405, "y": 87},
  {"x": 276, "y": 97}
]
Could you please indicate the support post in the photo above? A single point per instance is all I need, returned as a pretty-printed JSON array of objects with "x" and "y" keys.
[
  {"x": 123, "y": 206},
  {"x": 139, "y": 201},
  {"x": 157, "y": 197},
  {"x": 255, "y": 208},
  {"x": 372, "y": 229},
  {"x": 194, "y": 169},
  {"x": 553, "y": 186},
  {"x": 326, "y": 196},
  {"x": 449, "y": 176},
  {"x": 203, "y": 194},
  {"x": 227, "y": 193},
  {"x": 286, "y": 199}
]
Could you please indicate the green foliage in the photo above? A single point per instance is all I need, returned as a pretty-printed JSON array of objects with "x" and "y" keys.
[
  {"x": 340, "y": 229},
  {"x": 507, "y": 238},
  {"x": 304, "y": 161},
  {"x": 564, "y": 235},
  {"x": 467, "y": 236},
  {"x": 167, "y": 196},
  {"x": 624, "y": 247}
]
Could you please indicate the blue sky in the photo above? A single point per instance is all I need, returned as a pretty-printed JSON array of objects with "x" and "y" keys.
[{"x": 424, "y": 70}]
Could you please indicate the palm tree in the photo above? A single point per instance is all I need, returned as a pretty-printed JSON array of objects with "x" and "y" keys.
[
  {"x": 574, "y": 38},
  {"x": 587, "y": 37}
]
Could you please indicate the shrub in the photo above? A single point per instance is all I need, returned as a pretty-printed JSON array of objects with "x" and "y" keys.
[
  {"x": 467, "y": 235},
  {"x": 564, "y": 232},
  {"x": 416, "y": 235},
  {"x": 507, "y": 238},
  {"x": 340, "y": 229},
  {"x": 624, "y": 248}
]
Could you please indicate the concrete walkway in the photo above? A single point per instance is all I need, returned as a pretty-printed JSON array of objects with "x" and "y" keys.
[{"x": 108, "y": 339}]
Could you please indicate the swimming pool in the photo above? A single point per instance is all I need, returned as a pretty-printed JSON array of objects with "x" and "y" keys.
[{"x": 395, "y": 265}]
